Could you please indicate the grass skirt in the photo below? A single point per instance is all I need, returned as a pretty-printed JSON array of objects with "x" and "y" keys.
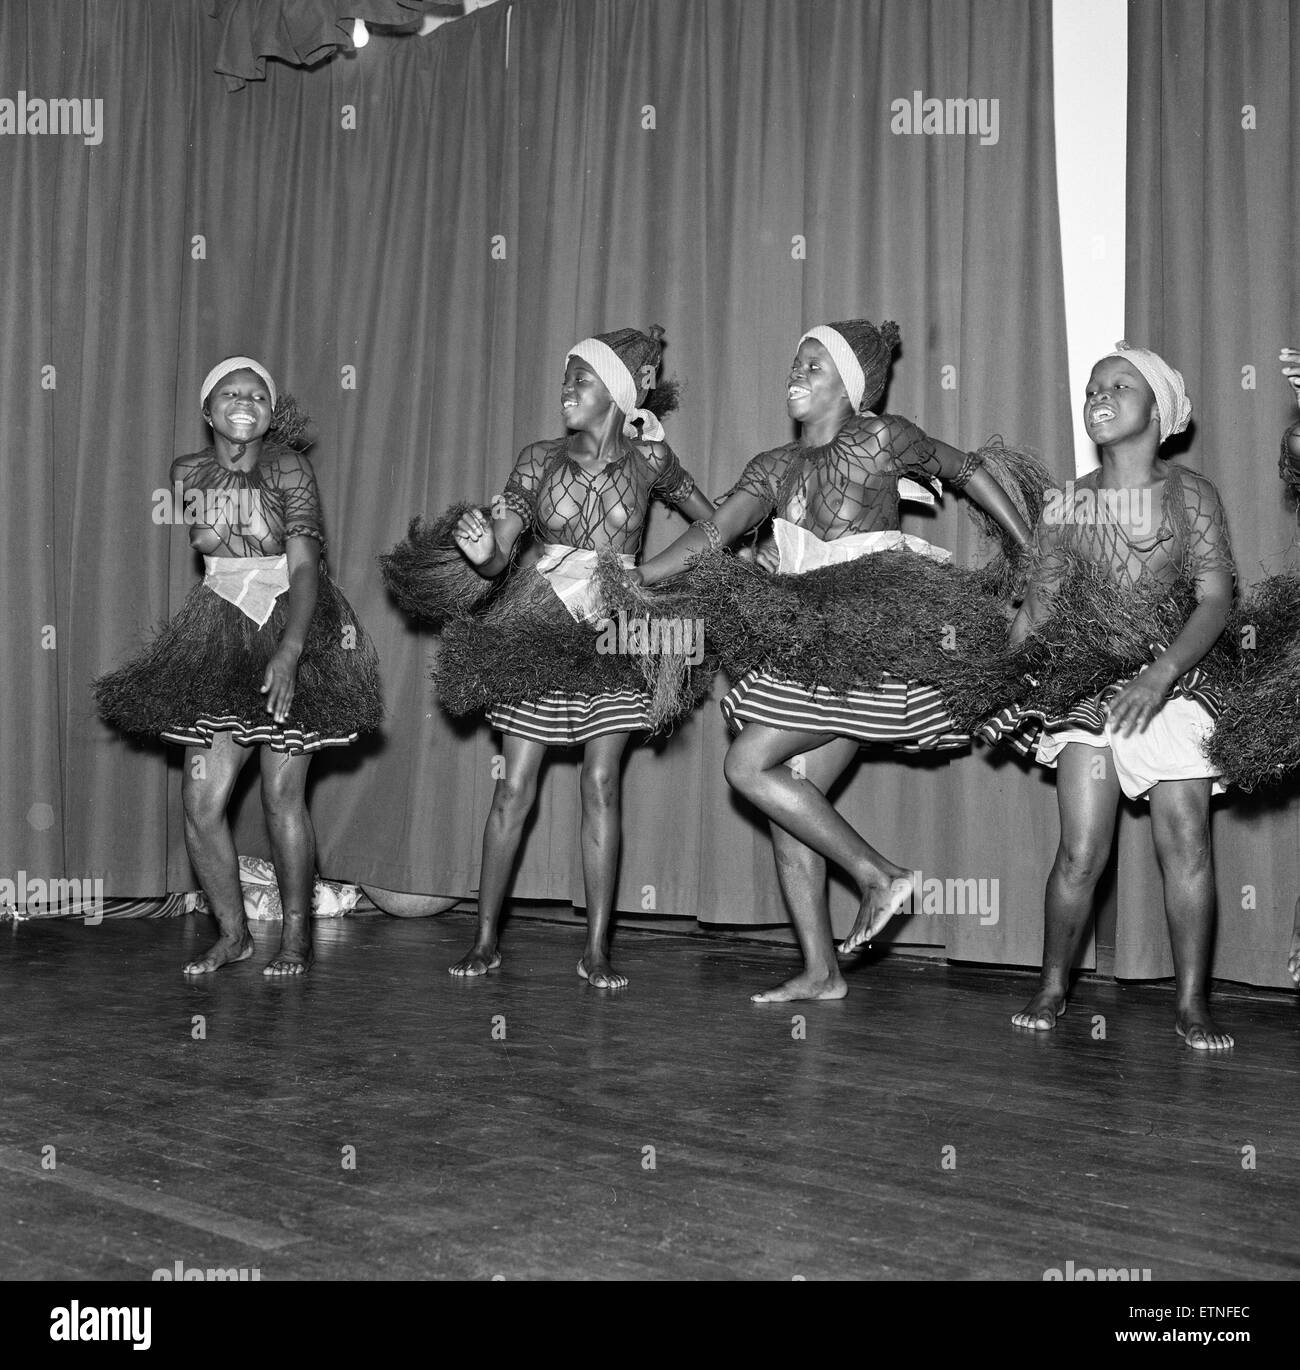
[
  {"x": 888, "y": 617},
  {"x": 1096, "y": 637},
  {"x": 527, "y": 647},
  {"x": 203, "y": 671},
  {"x": 511, "y": 647},
  {"x": 429, "y": 577},
  {"x": 1256, "y": 740}
]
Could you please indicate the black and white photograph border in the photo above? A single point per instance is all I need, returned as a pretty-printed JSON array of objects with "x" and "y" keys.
[{"x": 864, "y": 849}]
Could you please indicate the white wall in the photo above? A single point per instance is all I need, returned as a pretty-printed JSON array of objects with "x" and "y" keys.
[{"x": 1090, "y": 71}]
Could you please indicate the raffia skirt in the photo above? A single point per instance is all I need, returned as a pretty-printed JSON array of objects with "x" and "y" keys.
[{"x": 202, "y": 674}]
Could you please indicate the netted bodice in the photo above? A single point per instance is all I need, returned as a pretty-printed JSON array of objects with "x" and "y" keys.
[
  {"x": 254, "y": 512},
  {"x": 1152, "y": 535},
  {"x": 850, "y": 485},
  {"x": 561, "y": 502}
]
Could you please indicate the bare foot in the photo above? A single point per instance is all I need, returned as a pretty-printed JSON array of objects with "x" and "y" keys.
[
  {"x": 879, "y": 904},
  {"x": 805, "y": 986},
  {"x": 295, "y": 954},
  {"x": 596, "y": 970},
  {"x": 1042, "y": 1011},
  {"x": 478, "y": 961},
  {"x": 224, "y": 951},
  {"x": 1195, "y": 1026}
]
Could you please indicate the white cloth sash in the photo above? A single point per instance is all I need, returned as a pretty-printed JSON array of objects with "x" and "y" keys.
[
  {"x": 919, "y": 491},
  {"x": 804, "y": 551},
  {"x": 571, "y": 571},
  {"x": 251, "y": 584}
]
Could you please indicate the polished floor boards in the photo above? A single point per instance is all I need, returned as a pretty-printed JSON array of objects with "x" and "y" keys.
[{"x": 380, "y": 1119}]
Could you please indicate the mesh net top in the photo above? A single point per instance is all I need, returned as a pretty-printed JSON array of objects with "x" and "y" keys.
[
  {"x": 561, "y": 502},
  {"x": 1151, "y": 534},
  {"x": 848, "y": 486},
  {"x": 253, "y": 512}
]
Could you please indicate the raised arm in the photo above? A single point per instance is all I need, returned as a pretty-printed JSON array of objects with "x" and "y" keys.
[
  {"x": 958, "y": 470},
  {"x": 489, "y": 543}
]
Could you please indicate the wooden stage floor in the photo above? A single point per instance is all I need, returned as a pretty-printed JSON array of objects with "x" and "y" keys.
[{"x": 779, "y": 1150}]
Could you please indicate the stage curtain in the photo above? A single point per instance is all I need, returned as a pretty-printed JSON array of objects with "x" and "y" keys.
[
  {"x": 1212, "y": 283},
  {"x": 410, "y": 236}
]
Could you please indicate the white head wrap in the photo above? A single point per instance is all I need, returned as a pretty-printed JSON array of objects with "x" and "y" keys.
[
  {"x": 846, "y": 362},
  {"x": 235, "y": 364},
  {"x": 1166, "y": 384},
  {"x": 618, "y": 380}
]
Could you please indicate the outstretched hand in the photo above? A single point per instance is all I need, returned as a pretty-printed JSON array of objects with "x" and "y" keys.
[
  {"x": 475, "y": 538},
  {"x": 279, "y": 682}
]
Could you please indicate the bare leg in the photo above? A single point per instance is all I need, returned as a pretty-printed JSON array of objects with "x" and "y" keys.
[
  {"x": 1087, "y": 794},
  {"x": 802, "y": 873},
  {"x": 602, "y": 834},
  {"x": 293, "y": 853},
  {"x": 1180, "y": 824},
  {"x": 755, "y": 765},
  {"x": 210, "y": 775},
  {"x": 512, "y": 802}
]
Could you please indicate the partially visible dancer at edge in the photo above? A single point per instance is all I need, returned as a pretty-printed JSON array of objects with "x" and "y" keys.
[{"x": 1290, "y": 465}]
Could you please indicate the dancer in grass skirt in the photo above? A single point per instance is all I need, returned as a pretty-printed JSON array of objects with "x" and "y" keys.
[
  {"x": 587, "y": 492},
  {"x": 1144, "y": 525},
  {"x": 834, "y": 494},
  {"x": 265, "y": 653}
]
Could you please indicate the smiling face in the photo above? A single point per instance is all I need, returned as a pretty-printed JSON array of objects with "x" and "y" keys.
[
  {"x": 584, "y": 401},
  {"x": 239, "y": 406},
  {"x": 1118, "y": 402},
  {"x": 814, "y": 390}
]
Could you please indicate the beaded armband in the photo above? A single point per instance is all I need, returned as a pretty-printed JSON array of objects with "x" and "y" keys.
[
  {"x": 967, "y": 469},
  {"x": 710, "y": 531},
  {"x": 683, "y": 490}
]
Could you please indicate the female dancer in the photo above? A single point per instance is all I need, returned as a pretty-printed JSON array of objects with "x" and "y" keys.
[
  {"x": 578, "y": 494},
  {"x": 1143, "y": 523},
  {"x": 264, "y": 653},
  {"x": 838, "y": 483}
]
